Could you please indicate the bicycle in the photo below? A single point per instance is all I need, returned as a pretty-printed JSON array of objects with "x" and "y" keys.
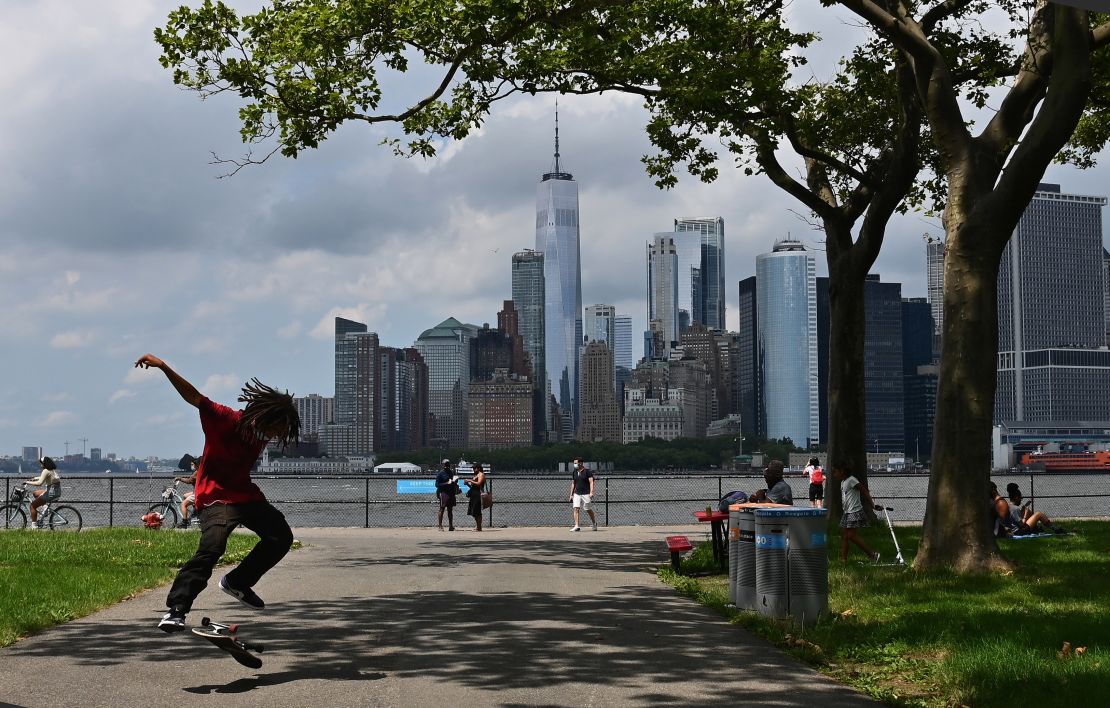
[
  {"x": 57, "y": 518},
  {"x": 168, "y": 507}
]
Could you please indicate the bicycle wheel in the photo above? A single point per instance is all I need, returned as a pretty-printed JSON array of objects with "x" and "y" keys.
[
  {"x": 65, "y": 518},
  {"x": 168, "y": 513},
  {"x": 12, "y": 516}
]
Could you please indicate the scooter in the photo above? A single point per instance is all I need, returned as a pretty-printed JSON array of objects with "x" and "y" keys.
[{"x": 898, "y": 559}]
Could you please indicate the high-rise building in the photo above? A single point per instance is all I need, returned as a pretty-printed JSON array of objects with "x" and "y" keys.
[
  {"x": 934, "y": 274},
  {"x": 500, "y": 411},
  {"x": 883, "y": 366},
  {"x": 919, "y": 377},
  {"x": 314, "y": 410},
  {"x": 601, "y": 324},
  {"x": 662, "y": 289},
  {"x": 445, "y": 349},
  {"x": 402, "y": 399},
  {"x": 700, "y": 343},
  {"x": 689, "y": 386},
  {"x": 344, "y": 369},
  {"x": 490, "y": 350},
  {"x": 31, "y": 454},
  {"x": 601, "y": 420},
  {"x": 623, "y": 352},
  {"x": 787, "y": 341},
  {"x": 883, "y": 369},
  {"x": 749, "y": 393},
  {"x": 1051, "y": 322},
  {"x": 708, "y": 291},
  {"x": 558, "y": 238},
  {"x": 529, "y": 301},
  {"x": 356, "y": 388},
  {"x": 95, "y": 454}
]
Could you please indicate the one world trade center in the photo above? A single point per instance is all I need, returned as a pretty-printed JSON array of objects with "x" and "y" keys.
[{"x": 557, "y": 236}]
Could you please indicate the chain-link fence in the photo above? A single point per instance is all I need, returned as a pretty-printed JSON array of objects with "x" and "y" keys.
[{"x": 544, "y": 500}]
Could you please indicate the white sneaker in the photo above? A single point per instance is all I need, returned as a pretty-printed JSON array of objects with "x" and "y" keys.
[
  {"x": 595, "y": 526},
  {"x": 575, "y": 528}
]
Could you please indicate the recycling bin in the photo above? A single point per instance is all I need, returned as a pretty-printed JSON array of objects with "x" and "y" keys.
[
  {"x": 733, "y": 550},
  {"x": 771, "y": 599},
  {"x": 808, "y": 564}
]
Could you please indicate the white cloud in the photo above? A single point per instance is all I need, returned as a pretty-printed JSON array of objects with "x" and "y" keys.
[
  {"x": 55, "y": 419},
  {"x": 290, "y": 330},
  {"x": 369, "y": 315},
  {"x": 72, "y": 277},
  {"x": 71, "y": 340},
  {"x": 137, "y": 375},
  {"x": 217, "y": 383},
  {"x": 121, "y": 394},
  {"x": 209, "y": 345}
]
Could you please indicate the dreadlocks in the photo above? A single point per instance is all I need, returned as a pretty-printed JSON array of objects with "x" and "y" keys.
[{"x": 267, "y": 409}]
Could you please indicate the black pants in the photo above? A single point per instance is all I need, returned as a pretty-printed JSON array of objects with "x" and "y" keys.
[{"x": 216, "y": 524}]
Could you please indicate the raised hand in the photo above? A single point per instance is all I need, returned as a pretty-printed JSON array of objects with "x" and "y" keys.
[{"x": 147, "y": 361}]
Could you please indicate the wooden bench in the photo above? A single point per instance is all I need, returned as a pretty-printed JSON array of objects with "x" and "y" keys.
[{"x": 677, "y": 545}]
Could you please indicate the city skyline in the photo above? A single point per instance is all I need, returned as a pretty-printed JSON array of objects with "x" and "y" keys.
[{"x": 137, "y": 246}]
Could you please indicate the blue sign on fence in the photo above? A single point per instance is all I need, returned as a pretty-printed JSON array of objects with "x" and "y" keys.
[{"x": 416, "y": 486}]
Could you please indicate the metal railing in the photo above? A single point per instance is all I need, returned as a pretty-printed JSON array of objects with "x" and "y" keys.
[{"x": 544, "y": 499}]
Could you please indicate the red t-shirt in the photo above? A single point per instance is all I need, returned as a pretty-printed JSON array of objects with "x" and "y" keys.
[{"x": 224, "y": 475}]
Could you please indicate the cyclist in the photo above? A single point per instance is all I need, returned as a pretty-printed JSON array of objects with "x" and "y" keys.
[
  {"x": 189, "y": 499},
  {"x": 47, "y": 478}
]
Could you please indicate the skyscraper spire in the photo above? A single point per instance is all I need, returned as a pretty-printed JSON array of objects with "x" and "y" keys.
[
  {"x": 557, "y": 172},
  {"x": 556, "y": 134}
]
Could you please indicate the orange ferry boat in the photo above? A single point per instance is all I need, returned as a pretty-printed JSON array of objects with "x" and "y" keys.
[{"x": 1068, "y": 461}]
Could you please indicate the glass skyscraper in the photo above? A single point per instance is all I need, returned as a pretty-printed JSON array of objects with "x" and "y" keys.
[
  {"x": 529, "y": 301},
  {"x": 623, "y": 353},
  {"x": 708, "y": 283},
  {"x": 445, "y": 349},
  {"x": 558, "y": 238},
  {"x": 601, "y": 324},
  {"x": 1051, "y": 321},
  {"x": 786, "y": 303},
  {"x": 934, "y": 273}
]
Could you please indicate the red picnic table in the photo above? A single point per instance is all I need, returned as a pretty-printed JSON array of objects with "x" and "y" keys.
[{"x": 717, "y": 521}]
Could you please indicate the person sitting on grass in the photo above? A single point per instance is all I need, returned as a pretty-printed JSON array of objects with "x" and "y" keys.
[
  {"x": 1018, "y": 520},
  {"x": 48, "y": 478},
  {"x": 854, "y": 495},
  {"x": 777, "y": 491},
  {"x": 225, "y": 494}
]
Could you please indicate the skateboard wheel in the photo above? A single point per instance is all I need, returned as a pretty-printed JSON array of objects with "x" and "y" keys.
[{"x": 204, "y": 622}]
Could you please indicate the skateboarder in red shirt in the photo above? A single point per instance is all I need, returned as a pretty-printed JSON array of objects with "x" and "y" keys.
[{"x": 225, "y": 495}]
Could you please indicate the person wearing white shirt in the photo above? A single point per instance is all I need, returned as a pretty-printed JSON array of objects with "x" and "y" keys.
[{"x": 48, "y": 478}]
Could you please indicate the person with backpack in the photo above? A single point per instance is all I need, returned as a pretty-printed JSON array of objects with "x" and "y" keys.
[{"x": 816, "y": 483}]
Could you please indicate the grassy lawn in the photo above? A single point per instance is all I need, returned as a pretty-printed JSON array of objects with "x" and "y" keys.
[
  {"x": 49, "y": 578},
  {"x": 942, "y": 640}
]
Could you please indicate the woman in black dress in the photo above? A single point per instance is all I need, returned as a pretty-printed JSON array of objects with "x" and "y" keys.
[{"x": 474, "y": 495}]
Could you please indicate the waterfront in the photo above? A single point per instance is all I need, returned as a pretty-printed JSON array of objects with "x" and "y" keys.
[{"x": 541, "y": 500}]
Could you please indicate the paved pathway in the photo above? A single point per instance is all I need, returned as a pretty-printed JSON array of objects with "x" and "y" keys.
[{"x": 414, "y": 617}]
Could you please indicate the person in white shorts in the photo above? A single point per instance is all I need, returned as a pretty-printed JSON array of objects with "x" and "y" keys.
[{"x": 581, "y": 492}]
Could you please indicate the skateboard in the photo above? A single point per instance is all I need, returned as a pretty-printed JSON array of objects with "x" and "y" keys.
[{"x": 223, "y": 636}]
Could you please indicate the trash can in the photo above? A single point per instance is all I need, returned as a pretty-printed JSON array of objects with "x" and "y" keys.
[
  {"x": 808, "y": 565},
  {"x": 771, "y": 597},
  {"x": 805, "y": 561},
  {"x": 733, "y": 550}
]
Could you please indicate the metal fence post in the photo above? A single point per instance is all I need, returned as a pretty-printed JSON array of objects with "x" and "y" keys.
[
  {"x": 366, "y": 499},
  {"x": 720, "y": 492},
  {"x": 606, "y": 501},
  {"x": 489, "y": 521},
  {"x": 111, "y": 501},
  {"x": 1032, "y": 493}
]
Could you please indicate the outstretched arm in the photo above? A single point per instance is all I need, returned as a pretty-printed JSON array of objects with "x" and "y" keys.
[{"x": 187, "y": 390}]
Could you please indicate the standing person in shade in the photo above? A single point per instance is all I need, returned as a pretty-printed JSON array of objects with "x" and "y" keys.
[
  {"x": 446, "y": 490},
  {"x": 816, "y": 483},
  {"x": 777, "y": 491},
  {"x": 225, "y": 495},
  {"x": 854, "y": 495},
  {"x": 48, "y": 478},
  {"x": 474, "y": 495},
  {"x": 581, "y": 494}
]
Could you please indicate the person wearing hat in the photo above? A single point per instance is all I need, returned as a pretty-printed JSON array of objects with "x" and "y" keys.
[
  {"x": 189, "y": 499},
  {"x": 446, "y": 489},
  {"x": 777, "y": 491},
  {"x": 47, "y": 478}
]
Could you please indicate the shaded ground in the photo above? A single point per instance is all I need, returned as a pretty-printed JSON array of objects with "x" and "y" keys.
[{"x": 411, "y": 617}]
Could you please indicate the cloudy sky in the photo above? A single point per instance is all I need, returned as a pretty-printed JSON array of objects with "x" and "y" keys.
[{"x": 117, "y": 237}]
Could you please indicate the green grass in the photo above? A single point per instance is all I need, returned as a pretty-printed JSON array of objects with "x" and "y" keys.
[
  {"x": 939, "y": 639},
  {"x": 49, "y": 578}
]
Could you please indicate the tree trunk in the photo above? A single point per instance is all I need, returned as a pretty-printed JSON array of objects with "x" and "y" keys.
[
  {"x": 847, "y": 405},
  {"x": 957, "y": 532}
]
